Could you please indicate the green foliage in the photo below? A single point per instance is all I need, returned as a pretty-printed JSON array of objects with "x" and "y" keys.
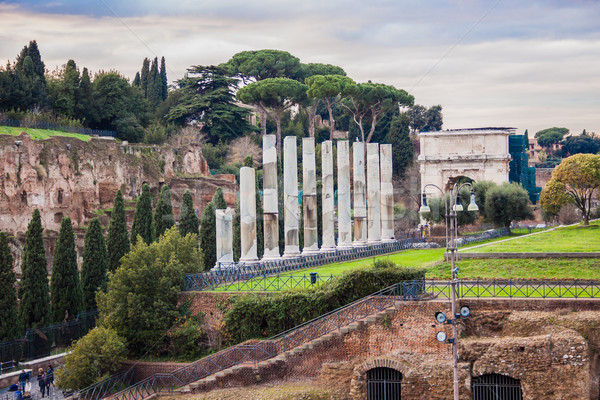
[
  {"x": 188, "y": 221},
  {"x": 117, "y": 240},
  {"x": 207, "y": 97},
  {"x": 237, "y": 232},
  {"x": 218, "y": 200},
  {"x": 329, "y": 89},
  {"x": 156, "y": 134},
  {"x": 91, "y": 359},
  {"x": 550, "y": 136},
  {"x": 423, "y": 119},
  {"x": 403, "y": 150},
  {"x": 573, "y": 181},
  {"x": 66, "y": 296},
  {"x": 34, "y": 298},
  {"x": 9, "y": 317},
  {"x": 438, "y": 209},
  {"x": 214, "y": 155},
  {"x": 262, "y": 64},
  {"x": 481, "y": 189},
  {"x": 256, "y": 316},
  {"x": 163, "y": 214},
  {"x": 580, "y": 144},
  {"x": 507, "y": 203},
  {"x": 141, "y": 300},
  {"x": 208, "y": 239},
  {"x": 186, "y": 339},
  {"x": 143, "y": 224},
  {"x": 94, "y": 267}
]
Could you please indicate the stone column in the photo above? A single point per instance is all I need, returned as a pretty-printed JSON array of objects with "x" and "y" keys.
[
  {"x": 387, "y": 193},
  {"x": 270, "y": 199},
  {"x": 360, "y": 202},
  {"x": 309, "y": 196},
  {"x": 290, "y": 197},
  {"x": 373, "y": 194},
  {"x": 343, "y": 187},
  {"x": 248, "y": 215},
  {"x": 224, "y": 227},
  {"x": 327, "y": 203}
]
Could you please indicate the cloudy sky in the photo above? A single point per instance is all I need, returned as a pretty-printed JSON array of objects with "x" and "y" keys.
[{"x": 527, "y": 64}]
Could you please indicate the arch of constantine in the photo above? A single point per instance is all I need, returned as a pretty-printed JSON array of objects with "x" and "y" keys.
[{"x": 478, "y": 154}]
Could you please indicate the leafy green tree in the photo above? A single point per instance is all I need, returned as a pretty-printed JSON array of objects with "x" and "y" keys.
[
  {"x": 329, "y": 89},
  {"x": 66, "y": 296},
  {"x": 143, "y": 224},
  {"x": 219, "y": 200},
  {"x": 34, "y": 297},
  {"x": 574, "y": 181},
  {"x": 30, "y": 77},
  {"x": 273, "y": 96},
  {"x": 481, "y": 189},
  {"x": 434, "y": 119},
  {"x": 119, "y": 107},
  {"x": 208, "y": 238},
  {"x": 117, "y": 240},
  {"x": 163, "y": 214},
  {"x": 206, "y": 96},
  {"x": 312, "y": 69},
  {"x": 547, "y": 138},
  {"x": 91, "y": 359},
  {"x": 145, "y": 76},
  {"x": 154, "y": 91},
  {"x": 367, "y": 101},
  {"x": 9, "y": 317},
  {"x": 580, "y": 144},
  {"x": 63, "y": 90},
  {"x": 507, "y": 203},
  {"x": 403, "y": 150},
  {"x": 164, "y": 84},
  {"x": 438, "y": 209},
  {"x": 94, "y": 267},
  {"x": 141, "y": 300},
  {"x": 85, "y": 98},
  {"x": 188, "y": 221}
]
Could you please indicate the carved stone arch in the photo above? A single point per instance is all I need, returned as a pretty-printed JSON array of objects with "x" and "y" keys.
[{"x": 358, "y": 384}]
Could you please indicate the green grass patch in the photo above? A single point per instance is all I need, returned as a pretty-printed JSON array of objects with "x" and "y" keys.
[
  {"x": 568, "y": 239},
  {"x": 538, "y": 269},
  {"x": 40, "y": 134}
]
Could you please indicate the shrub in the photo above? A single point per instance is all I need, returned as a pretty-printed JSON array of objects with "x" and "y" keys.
[
  {"x": 258, "y": 316},
  {"x": 91, "y": 359}
]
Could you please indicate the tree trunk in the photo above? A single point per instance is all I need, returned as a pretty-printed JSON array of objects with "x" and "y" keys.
[
  {"x": 331, "y": 121},
  {"x": 263, "y": 121}
]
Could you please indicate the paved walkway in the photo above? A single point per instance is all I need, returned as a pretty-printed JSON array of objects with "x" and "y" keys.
[{"x": 55, "y": 393}]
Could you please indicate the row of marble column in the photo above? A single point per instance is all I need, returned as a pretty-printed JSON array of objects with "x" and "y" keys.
[{"x": 373, "y": 200}]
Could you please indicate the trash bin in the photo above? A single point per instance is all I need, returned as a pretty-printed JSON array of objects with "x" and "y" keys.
[{"x": 313, "y": 278}]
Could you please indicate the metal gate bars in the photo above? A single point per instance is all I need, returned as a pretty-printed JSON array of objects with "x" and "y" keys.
[
  {"x": 496, "y": 387},
  {"x": 384, "y": 384}
]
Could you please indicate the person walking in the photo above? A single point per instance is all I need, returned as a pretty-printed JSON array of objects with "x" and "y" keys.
[
  {"x": 49, "y": 379},
  {"x": 27, "y": 390},
  {"x": 42, "y": 381},
  {"x": 18, "y": 394},
  {"x": 23, "y": 376}
]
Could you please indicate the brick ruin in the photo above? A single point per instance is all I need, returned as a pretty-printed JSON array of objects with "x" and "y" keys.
[{"x": 549, "y": 346}]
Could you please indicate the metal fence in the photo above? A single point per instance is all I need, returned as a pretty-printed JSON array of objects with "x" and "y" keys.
[
  {"x": 42, "y": 342},
  {"x": 266, "y": 349},
  {"x": 276, "y": 283},
  {"x": 231, "y": 273},
  {"x": 46, "y": 125},
  {"x": 574, "y": 289},
  {"x": 106, "y": 387}
]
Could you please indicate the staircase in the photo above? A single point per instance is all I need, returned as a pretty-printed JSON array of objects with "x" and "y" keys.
[{"x": 204, "y": 373}]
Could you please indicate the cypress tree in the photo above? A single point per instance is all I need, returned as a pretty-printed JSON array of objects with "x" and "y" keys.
[
  {"x": 260, "y": 243},
  {"x": 143, "y": 225},
  {"x": 164, "y": 85},
  {"x": 188, "y": 221},
  {"x": 144, "y": 74},
  {"x": 163, "y": 214},
  {"x": 237, "y": 233},
  {"x": 95, "y": 264},
  {"x": 34, "y": 297},
  {"x": 117, "y": 240},
  {"x": 218, "y": 200},
  {"x": 66, "y": 297},
  {"x": 154, "y": 91},
  {"x": 208, "y": 237},
  {"x": 9, "y": 317},
  {"x": 137, "y": 80}
]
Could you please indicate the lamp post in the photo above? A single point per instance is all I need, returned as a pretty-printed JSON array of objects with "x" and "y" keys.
[{"x": 453, "y": 206}]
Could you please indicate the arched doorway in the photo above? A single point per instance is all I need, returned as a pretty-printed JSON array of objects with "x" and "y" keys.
[
  {"x": 496, "y": 387},
  {"x": 384, "y": 384}
]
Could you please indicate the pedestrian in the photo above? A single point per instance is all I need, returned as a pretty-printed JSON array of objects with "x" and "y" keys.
[
  {"x": 18, "y": 394},
  {"x": 27, "y": 391},
  {"x": 42, "y": 381},
  {"x": 23, "y": 376},
  {"x": 49, "y": 379}
]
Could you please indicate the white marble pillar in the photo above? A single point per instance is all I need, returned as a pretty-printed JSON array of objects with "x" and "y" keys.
[
  {"x": 343, "y": 189},
  {"x": 327, "y": 204},
  {"x": 270, "y": 199},
  {"x": 359, "y": 186},
  {"x": 248, "y": 215},
  {"x": 290, "y": 197},
  {"x": 373, "y": 194},
  {"x": 387, "y": 193},
  {"x": 224, "y": 228},
  {"x": 309, "y": 196}
]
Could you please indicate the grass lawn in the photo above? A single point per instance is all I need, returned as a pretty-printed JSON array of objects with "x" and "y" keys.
[
  {"x": 551, "y": 268},
  {"x": 40, "y": 134},
  {"x": 568, "y": 239}
]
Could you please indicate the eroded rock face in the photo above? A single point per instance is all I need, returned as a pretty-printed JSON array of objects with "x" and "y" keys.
[{"x": 68, "y": 177}]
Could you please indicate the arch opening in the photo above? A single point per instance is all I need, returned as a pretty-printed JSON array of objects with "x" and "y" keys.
[
  {"x": 384, "y": 384},
  {"x": 496, "y": 386}
]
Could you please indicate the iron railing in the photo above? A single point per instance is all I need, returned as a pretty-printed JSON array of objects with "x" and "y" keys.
[
  {"x": 230, "y": 273},
  {"x": 266, "y": 349},
  {"x": 276, "y": 283},
  {"x": 41, "y": 342},
  {"x": 7, "y": 366},
  {"x": 46, "y": 125},
  {"x": 516, "y": 288},
  {"x": 107, "y": 386}
]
